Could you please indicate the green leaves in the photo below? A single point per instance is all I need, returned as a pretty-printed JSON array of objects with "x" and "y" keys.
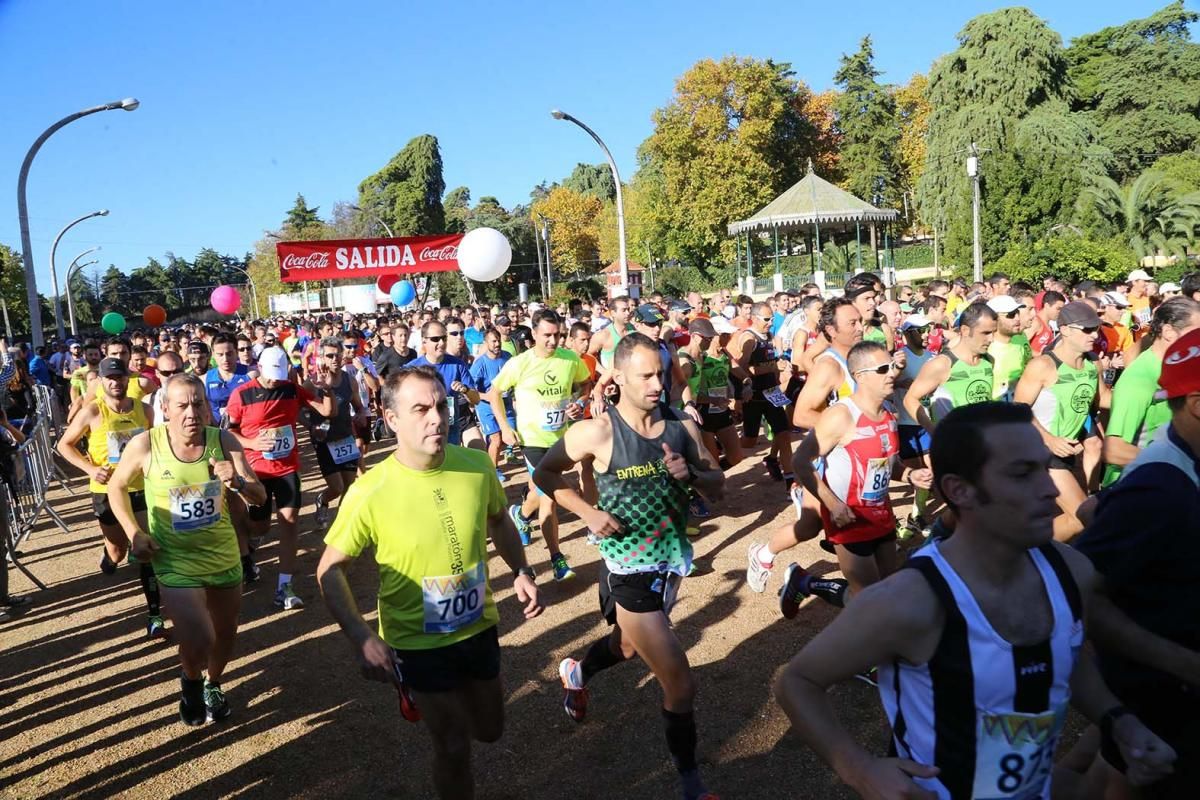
[{"x": 407, "y": 192}]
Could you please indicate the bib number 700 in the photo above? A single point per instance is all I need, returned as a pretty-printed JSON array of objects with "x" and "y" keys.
[{"x": 459, "y": 604}]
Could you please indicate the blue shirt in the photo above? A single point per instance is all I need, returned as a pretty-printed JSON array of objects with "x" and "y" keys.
[
  {"x": 484, "y": 370},
  {"x": 474, "y": 340},
  {"x": 218, "y": 391},
  {"x": 776, "y": 322},
  {"x": 39, "y": 369},
  {"x": 451, "y": 369}
]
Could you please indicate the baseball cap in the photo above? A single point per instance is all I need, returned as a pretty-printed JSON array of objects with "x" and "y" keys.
[
  {"x": 1139, "y": 275},
  {"x": 1181, "y": 366},
  {"x": 503, "y": 320},
  {"x": 679, "y": 305},
  {"x": 1080, "y": 314},
  {"x": 113, "y": 368},
  {"x": 197, "y": 346},
  {"x": 273, "y": 364},
  {"x": 648, "y": 314},
  {"x": 916, "y": 321},
  {"x": 1170, "y": 286},
  {"x": 1114, "y": 299},
  {"x": 1003, "y": 304},
  {"x": 702, "y": 328}
]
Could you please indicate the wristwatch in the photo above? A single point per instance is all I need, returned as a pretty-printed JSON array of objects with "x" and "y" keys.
[
  {"x": 526, "y": 571},
  {"x": 239, "y": 484}
]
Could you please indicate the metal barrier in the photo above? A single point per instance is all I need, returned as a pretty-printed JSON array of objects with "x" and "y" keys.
[{"x": 34, "y": 468}]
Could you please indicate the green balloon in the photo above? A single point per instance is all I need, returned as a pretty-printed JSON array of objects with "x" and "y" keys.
[{"x": 113, "y": 323}]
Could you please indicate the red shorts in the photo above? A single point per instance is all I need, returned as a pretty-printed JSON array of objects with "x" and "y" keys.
[{"x": 869, "y": 524}]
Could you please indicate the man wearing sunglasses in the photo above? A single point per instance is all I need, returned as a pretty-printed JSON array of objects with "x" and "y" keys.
[
  {"x": 858, "y": 440},
  {"x": 1063, "y": 386},
  {"x": 756, "y": 366},
  {"x": 456, "y": 376},
  {"x": 1010, "y": 350}
]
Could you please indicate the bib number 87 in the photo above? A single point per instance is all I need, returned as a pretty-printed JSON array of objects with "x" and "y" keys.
[
  {"x": 461, "y": 603},
  {"x": 1016, "y": 771}
]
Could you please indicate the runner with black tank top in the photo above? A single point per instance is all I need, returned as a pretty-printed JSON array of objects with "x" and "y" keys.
[
  {"x": 978, "y": 640},
  {"x": 756, "y": 365},
  {"x": 333, "y": 439},
  {"x": 645, "y": 457}
]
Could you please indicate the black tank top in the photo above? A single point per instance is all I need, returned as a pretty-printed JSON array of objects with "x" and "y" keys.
[{"x": 763, "y": 353}]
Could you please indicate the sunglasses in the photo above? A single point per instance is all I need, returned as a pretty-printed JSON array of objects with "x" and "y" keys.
[
  {"x": 334, "y": 354},
  {"x": 881, "y": 369},
  {"x": 1089, "y": 329},
  {"x": 166, "y": 373},
  {"x": 1011, "y": 314},
  {"x": 454, "y": 333},
  {"x": 435, "y": 338},
  {"x": 349, "y": 346},
  {"x": 243, "y": 349}
]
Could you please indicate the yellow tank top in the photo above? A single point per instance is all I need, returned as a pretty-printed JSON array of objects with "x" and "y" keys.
[
  {"x": 108, "y": 437},
  {"x": 188, "y": 515}
]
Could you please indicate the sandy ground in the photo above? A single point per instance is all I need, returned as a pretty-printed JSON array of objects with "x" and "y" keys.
[{"x": 88, "y": 706}]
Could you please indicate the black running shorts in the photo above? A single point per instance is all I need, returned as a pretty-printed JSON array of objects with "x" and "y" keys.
[
  {"x": 284, "y": 491},
  {"x": 715, "y": 421},
  {"x": 867, "y": 549},
  {"x": 103, "y": 510},
  {"x": 639, "y": 593},
  {"x": 444, "y": 669},
  {"x": 753, "y": 413},
  {"x": 327, "y": 465}
]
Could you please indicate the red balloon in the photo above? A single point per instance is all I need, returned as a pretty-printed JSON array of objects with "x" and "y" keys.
[
  {"x": 384, "y": 283},
  {"x": 154, "y": 315}
]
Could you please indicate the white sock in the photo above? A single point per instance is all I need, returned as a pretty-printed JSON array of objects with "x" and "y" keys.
[
  {"x": 765, "y": 556},
  {"x": 284, "y": 578}
]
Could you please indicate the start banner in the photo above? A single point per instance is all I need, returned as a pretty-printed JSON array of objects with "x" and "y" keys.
[{"x": 332, "y": 259}]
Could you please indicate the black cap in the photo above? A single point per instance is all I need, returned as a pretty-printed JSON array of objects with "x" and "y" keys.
[
  {"x": 702, "y": 328},
  {"x": 197, "y": 346},
  {"x": 113, "y": 368},
  {"x": 679, "y": 305},
  {"x": 1080, "y": 314},
  {"x": 648, "y": 314}
]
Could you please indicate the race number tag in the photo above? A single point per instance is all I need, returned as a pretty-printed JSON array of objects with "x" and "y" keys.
[
  {"x": 283, "y": 442},
  {"x": 453, "y": 601},
  {"x": 117, "y": 441},
  {"x": 1015, "y": 754},
  {"x": 775, "y": 397},
  {"x": 195, "y": 506},
  {"x": 876, "y": 480},
  {"x": 554, "y": 417},
  {"x": 718, "y": 393},
  {"x": 343, "y": 451}
]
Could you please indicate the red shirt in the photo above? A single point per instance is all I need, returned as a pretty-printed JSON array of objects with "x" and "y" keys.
[
  {"x": 253, "y": 408},
  {"x": 1040, "y": 339}
]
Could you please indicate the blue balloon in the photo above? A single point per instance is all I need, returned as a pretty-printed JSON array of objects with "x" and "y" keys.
[{"x": 403, "y": 293}]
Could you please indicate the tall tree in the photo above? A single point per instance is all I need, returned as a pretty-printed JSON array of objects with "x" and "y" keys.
[
  {"x": 112, "y": 289},
  {"x": 866, "y": 119},
  {"x": 300, "y": 216},
  {"x": 1149, "y": 215},
  {"x": 1006, "y": 88},
  {"x": 733, "y": 137},
  {"x": 407, "y": 192},
  {"x": 574, "y": 245},
  {"x": 458, "y": 209},
  {"x": 592, "y": 179},
  {"x": 818, "y": 109},
  {"x": 12, "y": 289},
  {"x": 912, "y": 112}
]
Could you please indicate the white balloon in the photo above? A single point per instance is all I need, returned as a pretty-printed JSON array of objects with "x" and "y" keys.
[{"x": 484, "y": 254}]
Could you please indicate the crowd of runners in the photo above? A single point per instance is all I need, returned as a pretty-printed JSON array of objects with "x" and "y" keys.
[{"x": 1044, "y": 441}]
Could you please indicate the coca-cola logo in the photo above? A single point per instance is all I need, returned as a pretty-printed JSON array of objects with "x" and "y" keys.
[
  {"x": 310, "y": 261},
  {"x": 447, "y": 253}
]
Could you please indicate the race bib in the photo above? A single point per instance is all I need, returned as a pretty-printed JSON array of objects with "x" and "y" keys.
[
  {"x": 554, "y": 417},
  {"x": 876, "y": 481},
  {"x": 718, "y": 393},
  {"x": 117, "y": 441},
  {"x": 283, "y": 442},
  {"x": 775, "y": 397},
  {"x": 1015, "y": 755},
  {"x": 343, "y": 451},
  {"x": 196, "y": 506},
  {"x": 452, "y": 602}
]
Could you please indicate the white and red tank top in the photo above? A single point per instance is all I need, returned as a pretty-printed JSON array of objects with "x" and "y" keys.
[{"x": 860, "y": 472}]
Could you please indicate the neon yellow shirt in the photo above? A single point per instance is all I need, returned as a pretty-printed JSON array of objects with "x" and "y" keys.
[
  {"x": 429, "y": 531},
  {"x": 543, "y": 388},
  {"x": 108, "y": 437}
]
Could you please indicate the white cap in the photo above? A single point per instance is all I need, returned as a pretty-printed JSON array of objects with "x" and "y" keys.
[
  {"x": 1115, "y": 299},
  {"x": 273, "y": 364},
  {"x": 1003, "y": 304},
  {"x": 1139, "y": 275},
  {"x": 1170, "y": 286},
  {"x": 722, "y": 325},
  {"x": 915, "y": 321}
]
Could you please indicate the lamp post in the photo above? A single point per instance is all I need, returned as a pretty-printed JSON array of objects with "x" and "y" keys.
[
  {"x": 71, "y": 270},
  {"x": 377, "y": 218},
  {"x": 624, "y": 288},
  {"x": 35, "y": 309},
  {"x": 253, "y": 290},
  {"x": 58, "y": 317}
]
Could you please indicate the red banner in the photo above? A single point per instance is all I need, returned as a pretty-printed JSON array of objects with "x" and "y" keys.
[{"x": 366, "y": 258}]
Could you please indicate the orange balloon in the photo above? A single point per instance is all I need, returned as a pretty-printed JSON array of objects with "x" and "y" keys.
[{"x": 154, "y": 315}]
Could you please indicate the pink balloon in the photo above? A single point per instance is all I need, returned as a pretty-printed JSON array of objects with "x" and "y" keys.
[{"x": 225, "y": 300}]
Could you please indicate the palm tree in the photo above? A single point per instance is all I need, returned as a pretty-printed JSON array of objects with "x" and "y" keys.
[{"x": 1150, "y": 213}]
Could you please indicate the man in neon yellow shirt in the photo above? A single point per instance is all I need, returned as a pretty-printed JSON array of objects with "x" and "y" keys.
[
  {"x": 550, "y": 386},
  {"x": 437, "y": 640}
]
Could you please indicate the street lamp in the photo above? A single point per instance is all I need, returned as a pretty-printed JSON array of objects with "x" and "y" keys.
[
  {"x": 253, "y": 290},
  {"x": 620, "y": 205},
  {"x": 71, "y": 270},
  {"x": 375, "y": 217},
  {"x": 35, "y": 309},
  {"x": 58, "y": 317}
]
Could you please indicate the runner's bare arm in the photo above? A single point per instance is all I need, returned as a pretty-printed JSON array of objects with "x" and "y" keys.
[
  {"x": 709, "y": 478},
  {"x": 898, "y": 617},
  {"x": 68, "y": 443},
  {"x": 587, "y": 438},
  {"x": 508, "y": 545},
  {"x": 933, "y": 374},
  {"x": 324, "y": 402},
  {"x": 252, "y": 491},
  {"x": 807, "y": 362},
  {"x": 811, "y": 401},
  {"x": 830, "y": 430},
  {"x": 134, "y": 459},
  {"x": 375, "y": 658}
]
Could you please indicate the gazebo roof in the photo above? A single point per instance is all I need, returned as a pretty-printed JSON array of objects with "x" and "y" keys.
[{"x": 812, "y": 200}]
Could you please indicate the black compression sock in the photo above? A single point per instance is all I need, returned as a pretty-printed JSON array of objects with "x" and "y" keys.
[
  {"x": 724, "y": 464},
  {"x": 149, "y": 587},
  {"x": 681, "y": 739},
  {"x": 599, "y": 657},
  {"x": 832, "y": 590}
]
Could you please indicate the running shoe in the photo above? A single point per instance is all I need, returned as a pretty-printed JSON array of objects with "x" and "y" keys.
[
  {"x": 156, "y": 627},
  {"x": 773, "y": 467},
  {"x": 793, "y": 591},
  {"x": 107, "y": 565},
  {"x": 698, "y": 508},
  {"x": 286, "y": 599},
  {"x": 250, "y": 571},
  {"x": 408, "y": 706},
  {"x": 562, "y": 570},
  {"x": 524, "y": 526},
  {"x": 914, "y": 525},
  {"x": 216, "y": 707},
  {"x": 757, "y": 572},
  {"x": 500, "y": 476},
  {"x": 575, "y": 694},
  {"x": 192, "y": 711},
  {"x": 322, "y": 510}
]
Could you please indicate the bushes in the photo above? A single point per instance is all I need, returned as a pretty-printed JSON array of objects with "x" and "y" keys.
[{"x": 1071, "y": 258}]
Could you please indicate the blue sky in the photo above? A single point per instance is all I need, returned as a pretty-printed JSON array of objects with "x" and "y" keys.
[{"x": 246, "y": 103}]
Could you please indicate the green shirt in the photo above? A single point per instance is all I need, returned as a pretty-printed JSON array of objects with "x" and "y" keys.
[
  {"x": 964, "y": 385},
  {"x": 1138, "y": 407},
  {"x": 1010, "y": 359},
  {"x": 542, "y": 387},
  {"x": 873, "y": 334},
  {"x": 1063, "y": 408}
]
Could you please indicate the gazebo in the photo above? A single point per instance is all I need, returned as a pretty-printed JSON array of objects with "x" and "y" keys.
[{"x": 808, "y": 207}]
